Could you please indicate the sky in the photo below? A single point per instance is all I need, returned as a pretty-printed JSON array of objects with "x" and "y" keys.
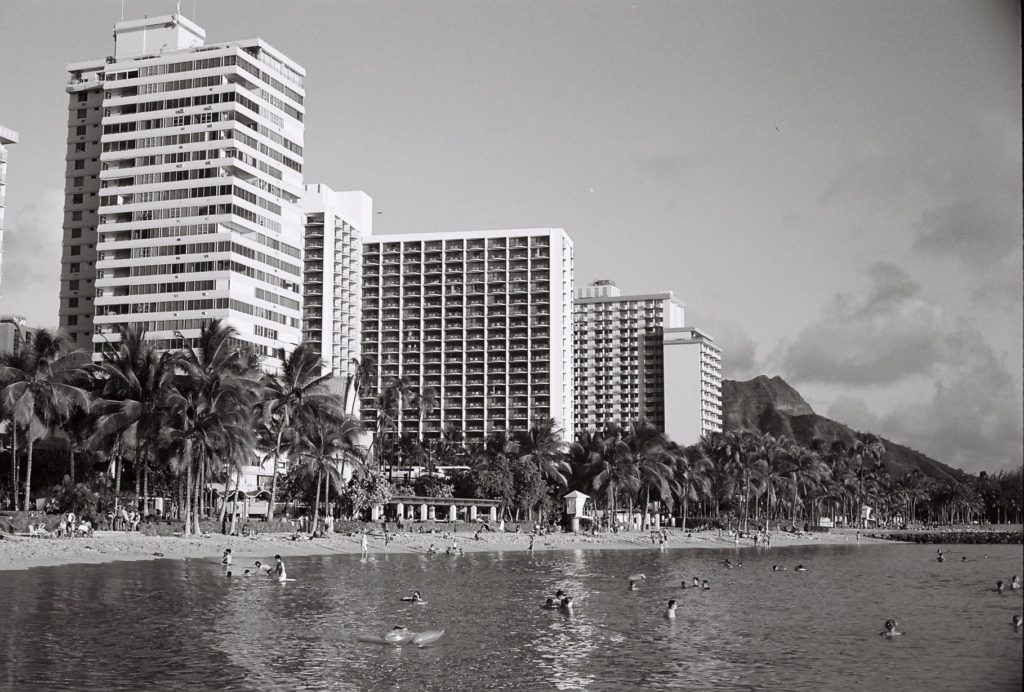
[{"x": 832, "y": 188}]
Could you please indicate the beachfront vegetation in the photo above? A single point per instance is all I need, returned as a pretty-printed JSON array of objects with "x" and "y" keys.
[
  {"x": 180, "y": 422},
  {"x": 176, "y": 421}
]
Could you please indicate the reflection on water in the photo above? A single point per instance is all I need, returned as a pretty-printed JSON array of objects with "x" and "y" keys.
[{"x": 183, "y": 624}]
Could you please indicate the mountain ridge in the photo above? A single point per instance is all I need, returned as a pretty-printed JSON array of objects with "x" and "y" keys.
[{"x": 771, "y": 405}]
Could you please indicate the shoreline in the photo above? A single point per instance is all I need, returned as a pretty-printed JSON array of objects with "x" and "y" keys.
[{"x": 23, "y": 552}]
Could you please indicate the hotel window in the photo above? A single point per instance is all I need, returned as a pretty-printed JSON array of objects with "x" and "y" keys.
[
  {"x": 81, "y": 113},
  {"x": 72, "y": 302},
  {"x": 80, "y": 131},
  {"x": 73, "y": 285}
]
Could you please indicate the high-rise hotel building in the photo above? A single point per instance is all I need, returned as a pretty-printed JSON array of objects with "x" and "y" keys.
[
  {"x": 484, "y": 318},
  {"x": 336, "y": 223},
  {"x": 635, "y": 360},
  {"x": 693, "y": 385},
  {"x": 6, "y": 137},
  {"x": 183, "y": 184}
]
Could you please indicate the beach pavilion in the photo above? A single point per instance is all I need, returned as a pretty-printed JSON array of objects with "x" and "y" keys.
[{"x": 415, "y": 508}]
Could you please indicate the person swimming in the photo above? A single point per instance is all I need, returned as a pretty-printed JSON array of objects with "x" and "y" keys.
[
  {"x": 1016, "y": 622},
  {"x": 262, "y": 570},
  {"x": 696, "y": 582},
  {"x": 279, "y": 571},
  {"x": 671, "y": 612},
  {"x": 705, "y": 586},
  {"x": 684, "y": 584},
  {"x": 801, "y": 568},
  {"x": 228, "y": 573},
  {"x": 550, "y": 603},
  {"x": 226, "y": 560},
  {"x": 633, "y": 579},
  {"x": 940, "y": 558},
  {"x": 890, "y": 629},
  {"x": 1014, "y": 582},
  {"x": 432, "y": 550},
  {"x": 398, "y": 635},
  {"x": 566, "y": 604},
  {"x": 999, "y": 586},
  {"x": 415, "y": 598}
]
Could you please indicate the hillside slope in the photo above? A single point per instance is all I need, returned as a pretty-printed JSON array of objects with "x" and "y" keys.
[{"x": 771, "y": 405}]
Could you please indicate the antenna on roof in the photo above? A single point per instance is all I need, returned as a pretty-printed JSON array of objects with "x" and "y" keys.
[{"x": 122, "y": 10}]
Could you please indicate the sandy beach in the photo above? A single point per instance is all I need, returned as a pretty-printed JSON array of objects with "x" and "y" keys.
[{"x": 23, "y": 552}]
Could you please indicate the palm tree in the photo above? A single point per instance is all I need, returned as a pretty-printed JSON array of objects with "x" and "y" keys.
[
  {"x": 691, "y": 472},
  {"x": 542, "y": 446},
  {"x": 864, "y": 454},
  {"x": 588, "y": 448},
  {"x": 326, "y": 439},
  {"x": 210, "y": 403},
  {"x": 298, "y": 390},
  {"x": 806, "y": 472},
  {"x": 389, "y": 403},
  {"x": 134, "y": 382},
  {"x": 647, "y": 449},
  {"x": 737, "y": 453},
  {"x": 359, "y": 381},
  {"x": 425, "y": 402},
  {"x": 613, "y": 475},
  {"x": 41, "y": 385}
]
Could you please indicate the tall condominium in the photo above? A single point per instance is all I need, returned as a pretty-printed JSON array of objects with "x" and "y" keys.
[
  {"x": 183, "y": 185},
  {"x": 484, "y": 318},
  {"x": 635, "y": 360},
  {"x": 693, "y": 385},
  {"x": 6, "y": 137},
  {"x": 618, "y": 359},
  {"x": 336, "y": 224}
]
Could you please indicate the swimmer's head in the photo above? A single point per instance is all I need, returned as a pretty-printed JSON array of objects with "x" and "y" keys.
[
  {"x": 228, "y": 573},
  {"x": 672, "y": 603},
  {"x": 227, "y": 550},
  {"x": 890, "y": 625},
  {"x": 258, "y": 563},
  {"x": 559, "y": 593},
  {"x": 549, "y": 601},
  {"x": 567, "y": 602},
  {"x": 1016, "y": 621},
  {"x": 1013, "y": 580},
  {"x": 277, "y": 557},
  {"x": 999, "y": 585}
]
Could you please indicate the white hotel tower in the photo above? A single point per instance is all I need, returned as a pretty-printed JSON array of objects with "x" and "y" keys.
[
  {"x": 195, "y": 214},
  {"x": 484, "y": 317},
  {"x": 6, "y": 137},
  {"x": 336, "y": 225}
]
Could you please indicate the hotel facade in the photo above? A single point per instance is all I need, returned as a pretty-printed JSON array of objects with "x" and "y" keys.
[
  {"x": 483, "y": 318},
  {"x": 633, "y": 363},
  {"x": 336, "y": 224},
  {"x": 183, "y": 188},
  {"x": 7, "y": 137}
]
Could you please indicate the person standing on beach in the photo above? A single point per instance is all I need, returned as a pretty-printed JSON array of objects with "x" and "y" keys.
[
  {"x": 531, "y": 543},
  {"x": 363, "y": 547}
]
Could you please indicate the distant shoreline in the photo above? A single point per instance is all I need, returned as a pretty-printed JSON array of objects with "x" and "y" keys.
[{"x": 22, "y": 552}]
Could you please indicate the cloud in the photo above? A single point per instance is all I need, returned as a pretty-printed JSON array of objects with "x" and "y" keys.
[
  {"x": 31, "y": 259},
  {"x": 972, "y": 419},
  {"x": 978, "y": 230},
  {"x": 739, "y": 352},
  {"x": 887, "y": 334}
]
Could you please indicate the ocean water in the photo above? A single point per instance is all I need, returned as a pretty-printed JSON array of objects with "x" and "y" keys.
[{"x": 183, "y": 625}]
